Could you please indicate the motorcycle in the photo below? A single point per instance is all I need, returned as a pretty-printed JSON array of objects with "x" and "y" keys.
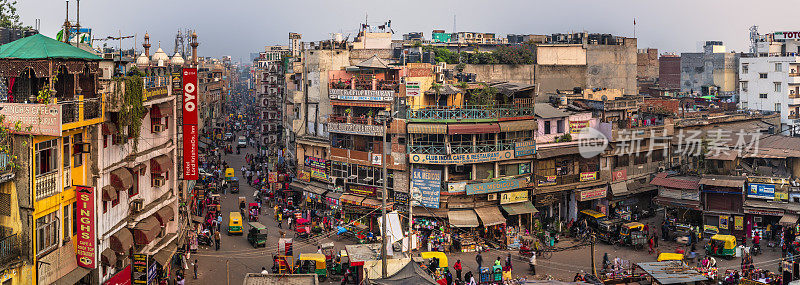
[
  {"x": 755, "y": 250},
  {"x": 204, "y": 238}
]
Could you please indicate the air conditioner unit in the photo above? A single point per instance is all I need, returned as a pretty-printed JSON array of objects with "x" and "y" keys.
[
  {"x": 159, "y": 128},
  {"x": 492, "y": 197},
  {"x": 158, "y": 181},
  {"x": 437, "y": 69},
  {"x": 136, "y": 205}
]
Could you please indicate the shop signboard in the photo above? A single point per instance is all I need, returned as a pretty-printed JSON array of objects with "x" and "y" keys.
[
  {"x": 304, "y": 176},
  {"x": 456, "y": 187},
  {"x": 362, "y": 189},
  {"x": 315, "y": 162},
  {"x": 121, "y": 278},
  {"x": 152, "y": 274},
  {"x": 575, "y": 127},
  {"x": 401, "y": 200},
  {"x": 426, "y": 187},
  {"x": 154, "y": 92},
  {"x": 592, "y": 194},
  {"x": 319, "y": 175},
  {"x": 764, "y": 212},
  {"x": 413, "y": 89},
  {"x": 190, "y": 119},
  {"x": 377, "y": 159},
  {"x": 738, "y": 223},
  {"x": 786, "y": 35},
  {"x": 356, "y": 129},
  {"x": 496, "y": 186},
  {"x": 761, "y": 191},
  {"x": 524, "y": 148},
  {"x": 466, "y": 158},
  {"x": 35, "y": 119},
  {"x": 139, "y": 269},
  {"x": 273, "y": 177},
  {"x": 723, "y": 222},
  {"x": 619, "y": 175},
  {"x": 177, "y": 84},
  {"x": 547, "y": 181},
  {"x": 85, "y": 247},
  {"x": 514, "y": 197},
  {"x": 589, "y": 176},
  {"x": 361, "y": 95}
]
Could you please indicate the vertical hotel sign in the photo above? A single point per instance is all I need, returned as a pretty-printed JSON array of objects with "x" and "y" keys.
[
  {"x": 85, "y": 249},
  {"x": 190, "y": 131}
]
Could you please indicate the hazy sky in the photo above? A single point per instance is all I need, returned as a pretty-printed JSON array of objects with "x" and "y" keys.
[{"x": 238, "y": 27}]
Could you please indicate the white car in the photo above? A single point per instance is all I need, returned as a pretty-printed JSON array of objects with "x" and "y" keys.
[{"x": 242, "y": 142}]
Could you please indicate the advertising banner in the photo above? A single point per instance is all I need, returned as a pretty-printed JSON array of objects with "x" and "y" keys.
[
  {"x": 121, "y": 278},
  {"x": 319, "y": 175},
  {"x": 456, "y": 187},
  {"x": 547, "y": 180},
  {"x": 315, "y": 162},
  {"x": 738, "y": 223},
  {"x": 461, "y": 158},
  {"x": 304, "y": 176},
  {"x": 85, "y": 248},
  {"x": 575, "y": 127},
  {"x": 496, "y": 186},
  {"x": 139, "y": 269},
  {"x": 761, "y": 191},
  {"x": 787, "y": 35},
  {"x": 723, "y": 222},
  {"x": 589, "y": 176},
  {"x": 426, "y": 186},
  {"x": 412, "y": 89},
  {"x": 362, "y": 189},
  {"x": 592, "y": 194},
  {"x": 361, "y": 95},
  {"x": 621, "y": 174},
  {"x": 524, "y": 148},
  {"x": 154, "y": 92},
  {"x": 514, "y": 197},
  {"x": 190, "y": 119},
  {"x": 401, "y": 200}
]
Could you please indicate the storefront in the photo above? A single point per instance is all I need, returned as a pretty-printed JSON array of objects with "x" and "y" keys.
[
  {"x": 465, "y": 234},
  {"x": 591, "y": 199},
  {"x": 766, "y": 203},
  {"x": 723, "y": 204},
  {"x": 519, "y": 209},
  {"x": 493, "y": 223},
  {"x": 630, "y": 199},
  {"x": 680, "y": 196},
  {"x": 551, "y": 206}
]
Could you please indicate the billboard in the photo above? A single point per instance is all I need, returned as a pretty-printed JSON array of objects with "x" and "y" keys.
[
  {"x": 524, "y": 148},
  {"x": 761, "y": 191},
  {"x": 139, "y": 269},
  {"x": 190, "y": 119},
  {"x": 426, "y": 186},
  {"x": 85, "y": 248},
  {"x": 787, "y": 35}
]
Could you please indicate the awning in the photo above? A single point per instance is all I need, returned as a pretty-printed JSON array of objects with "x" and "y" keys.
[
  {"x": 146, "y": 231},
  {"x": 109, "y": 193},
  {"x": 788, "y": 219},
  {"x": 723, "y": 181},
  {"x": 165, "y": 214},
  {"x": 308, "y": 188},
  {"x": 556, "y": 151},
  {"x": 520, "y": 208},
  {"x": 165, "y": 254},
  {"x": 466, "y": 129},
  {"x": 333, "y": 195},
  {"x": 514, "y": 126},
  {"x": 434, "y": 129},
  {"x": 121, "y": 179},
  {"x": 490, "y": 216},
  {"x": 161, "y": 110},
  {"x": 430, "y": 212},
  {"x": 109, "y": 129},
  {"x": 122, "y": 241},
  {"x": 72, "y": 277},
  {"x": 463, "y": 218},
  {"x": 161, "y": 164},
  {"x": 678, "y": 203},
  {"x": 351, "y": 199},
  {"x": 372, "y": 203},
  {"x": 619, "y": 188},
  {"x": 108, "y": 257}
]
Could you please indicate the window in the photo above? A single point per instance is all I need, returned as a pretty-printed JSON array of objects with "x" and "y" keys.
[
  {"x": 762, "y": 95},
  {"x": 744, "y": 86},
  {"x": 778, "y": 67},
  {"x": 135, "y": 189},
  {"x": 622, "y": 161},
  {"x": 46, "y": 157},
  {"x": 745, "y": 68},
  {"x": 66, "y": 154},
  {"x": 105, "y": 206},
  {"x": 777, "y": 86},
  {"x": 546, "y": 127},
  {"x": 47, "y": 233},
  {"x": 67, "y": 224},
  {"x": 74, "y": 214},
  {"x": 560, "y": 126},
  {"x": 77, "y": 156},
  {"x": 762, "y": 75},
  {"x": 777, "y": 107}
]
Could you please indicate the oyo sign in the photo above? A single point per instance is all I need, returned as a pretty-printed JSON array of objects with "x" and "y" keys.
[
  {"x": 787, "y": 35},
  {"x": 190, "y": 96},
  {"x": 190, "y": 130}
]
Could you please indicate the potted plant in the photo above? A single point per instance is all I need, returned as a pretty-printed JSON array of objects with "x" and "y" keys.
[
  {"x": 349, "y": 113},
  {"x": 369, "y": 117}
]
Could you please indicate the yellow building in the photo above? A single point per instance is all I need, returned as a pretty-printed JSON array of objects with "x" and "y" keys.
[{"x": 51, "y": 151}]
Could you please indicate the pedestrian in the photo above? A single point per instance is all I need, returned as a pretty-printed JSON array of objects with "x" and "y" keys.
[
  {"x": 650, "y": 244},
  {"x": 217, "y": 239},
  {"x": 219, "y": 221},
  {"x": 289, "y": 221},
  {"x": 509, "y": 264},
  {"x": 194, "y": 265},
  {"x": 497, "y": 262},
  {"x": 458, "y": 268},
  {"x": 280, "y": 220},
  {"x": 471, "y": 278},
  {"x": 479, "y": 260},
  {"x": 264, "y": 270},
  {"x": 532, "y": 263},
  {"x": 647, "y": 229},
  {"x": 655, "y": 238}
]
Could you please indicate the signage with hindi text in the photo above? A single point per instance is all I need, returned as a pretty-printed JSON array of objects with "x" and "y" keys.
[
  {"x": 592, "y": 194},
  {"x": 514, "y": 197}
]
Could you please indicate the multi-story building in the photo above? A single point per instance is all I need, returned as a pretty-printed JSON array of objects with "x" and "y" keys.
[
  {"x": 769, "y": 80},
  {"x": 477, "y": 38},
  {"x": 269, "y": 79},
  {"x": 48, "y": 191},
  {"x": 713, "y": 71},
  {"x": 669, "y": 71}
]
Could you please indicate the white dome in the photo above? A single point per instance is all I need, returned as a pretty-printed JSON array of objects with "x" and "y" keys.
[
  {"x": 142, "y": 60},
  {"x": 177, "y": 59},
  {"x": 160, "y": 57}
]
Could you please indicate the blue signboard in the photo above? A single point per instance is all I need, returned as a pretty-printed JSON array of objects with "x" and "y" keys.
[
  {"x": 496, "y": 186},
  {"x": 425, "y": 187},
  {"x": 524, "y": 148},
  {"x": 761, "y": 191}
]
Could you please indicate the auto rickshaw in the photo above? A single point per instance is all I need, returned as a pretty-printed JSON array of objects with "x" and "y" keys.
[
  {"x": 632, "y": 234},
  {"x": 313, "y": 263},
  {"x": 257, "y": 236},
  {"x": 593, "y": 218},
  {"x": 722, "y": 245},
  {"x": 233, "y": 184},
  {"x": 607, "y": 229},
  {"x": 235, "y": 223},
  {"x": 668, "y": 256},
  {"x": 229, "y": 173},
  {"x": 442, "y": 264}
]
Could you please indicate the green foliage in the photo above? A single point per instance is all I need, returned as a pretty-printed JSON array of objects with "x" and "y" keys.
[
  {"x": 132, "y": 110},
  {"x": 44, "y": 95},
  {"x": 486, "y": 95},
  {"x": 565, "y": 138},
  {"x": 514, "y": 54},
  {"x": 8, "y": 15}
]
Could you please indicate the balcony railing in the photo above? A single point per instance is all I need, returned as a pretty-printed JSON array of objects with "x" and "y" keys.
[
  {"x": 468, "y": 113},
  {"x": 46, "y": 185},
  {"x": 9, "y": 248},
  {"x": 460, "y": 149},
  {"x": 92, "y": 108}
]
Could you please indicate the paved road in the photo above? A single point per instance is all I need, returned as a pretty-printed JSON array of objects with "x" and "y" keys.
[{"x": 237, "y": 258}]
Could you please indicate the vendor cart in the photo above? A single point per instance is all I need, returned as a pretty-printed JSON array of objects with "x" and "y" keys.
[{"x": 252, "y": 215}]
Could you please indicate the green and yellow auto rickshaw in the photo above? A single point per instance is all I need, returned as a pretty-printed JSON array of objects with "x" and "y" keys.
[
  {"x": 257, "y": 235},
  {"x": 313, "y": 263},
  {"x": 722, "y": 245}
]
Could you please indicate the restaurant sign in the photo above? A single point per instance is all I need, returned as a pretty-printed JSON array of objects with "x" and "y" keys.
[
  {"x": 356, "y": 129},
  {"x": 34, "y": 119},
  {"x": 524, "y": 148},
  {"x": 85, "y": 249},
  {"x": 592, "y": 194},
  {"x": 589, "y": 176},
  {"x": 361, "y": 95},
  {"x": 154, "y": 92},
  {"x": 496, "y": 186},
  {"x": 461, "y": 158},
  {"x": 139, "y": 269},
  {"x": 514, "y": 197}
]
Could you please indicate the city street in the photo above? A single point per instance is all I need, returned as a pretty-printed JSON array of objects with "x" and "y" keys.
[{"x": 236, "y": 257}]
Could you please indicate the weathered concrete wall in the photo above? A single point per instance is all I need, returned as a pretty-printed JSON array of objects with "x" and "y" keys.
[
  {"x": 647, "y": 64},
  {"x": 612, "y": 66},
  {"x": 316, "y": 66},
  {"x": 359, "y": 55},
  {"x": 563, "y": 77},
  {"x": 522, "y": 73},
  {"x": 669, "y": 71},
  {"x": 706, "y": 69}
]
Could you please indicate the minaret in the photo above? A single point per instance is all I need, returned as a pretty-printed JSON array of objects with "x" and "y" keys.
[
  {"x": 194, "y": 45},
  {"x": 146, "y": 44}
]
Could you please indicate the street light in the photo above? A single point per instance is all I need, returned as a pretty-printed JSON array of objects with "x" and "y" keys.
[{"x": 384, "y": 117}]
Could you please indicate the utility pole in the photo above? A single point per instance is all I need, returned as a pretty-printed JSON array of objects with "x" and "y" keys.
[
  {"x": 591, "y": 242},
  {"x": 228, "y": 271},
  {"x": 384, "y": 242}
]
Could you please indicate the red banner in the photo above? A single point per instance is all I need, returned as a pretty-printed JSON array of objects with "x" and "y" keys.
[
  {"x": 190, "y": 131},
  {"x": 85, "y": 218}
]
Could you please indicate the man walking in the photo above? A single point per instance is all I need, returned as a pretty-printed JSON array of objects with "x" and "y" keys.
[
  {"x": 194, "y": 265},
  {"x": 479, "y": 260},
  {"x": 217, "y": 240},
  {"x": 458, "y": 268}
]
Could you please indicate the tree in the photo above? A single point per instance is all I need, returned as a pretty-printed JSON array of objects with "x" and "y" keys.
[{"x": 8, "y": 15}]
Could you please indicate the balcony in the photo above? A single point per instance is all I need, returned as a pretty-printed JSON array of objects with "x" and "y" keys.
[
  {"x": 9, "y": 248},
  {"x": 47, "y": 185},
  {"x": 458, "y": 149},
  {"x": 80, "y": 110},
  {"x": 469, "y": 114}
]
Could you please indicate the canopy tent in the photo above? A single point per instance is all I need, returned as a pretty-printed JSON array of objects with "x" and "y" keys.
[
  {"x": 409, "y": 274},
  {"x": 41, "y": 47}
]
